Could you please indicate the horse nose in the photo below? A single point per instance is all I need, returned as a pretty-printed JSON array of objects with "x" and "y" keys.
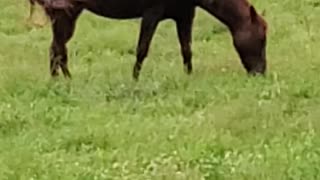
[{"x": 260, "y": 70}]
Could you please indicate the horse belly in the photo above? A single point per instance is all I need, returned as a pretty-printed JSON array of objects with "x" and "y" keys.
[{"x": 117, "y": 9}]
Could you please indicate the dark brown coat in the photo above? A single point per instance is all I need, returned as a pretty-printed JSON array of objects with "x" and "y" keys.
[{"x": 247, "y": 27}]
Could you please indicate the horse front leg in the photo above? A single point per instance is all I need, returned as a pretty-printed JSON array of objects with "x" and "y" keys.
[
  {"x": 184, "y": 30},
  {"x": 149, "y": 23}
]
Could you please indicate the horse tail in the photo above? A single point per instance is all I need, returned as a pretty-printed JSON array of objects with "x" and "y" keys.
[
  {"x": 48, "y": 6},
  {"x": 32, "y": 4}
]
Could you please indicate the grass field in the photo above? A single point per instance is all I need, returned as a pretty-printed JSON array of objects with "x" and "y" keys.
[{"x": 215, "y": 124}]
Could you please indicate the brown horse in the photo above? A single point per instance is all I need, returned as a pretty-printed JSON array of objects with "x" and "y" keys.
[{"x": 247, "y": 27}]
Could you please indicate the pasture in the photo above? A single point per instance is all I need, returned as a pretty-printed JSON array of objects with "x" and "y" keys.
[{"x": 217, "y": 123}]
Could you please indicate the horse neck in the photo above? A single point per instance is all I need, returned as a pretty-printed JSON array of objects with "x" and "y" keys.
[{"x": 233, "y": 13}]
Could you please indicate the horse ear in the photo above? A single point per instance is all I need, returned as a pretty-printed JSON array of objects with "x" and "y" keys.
[{"x": 253, "y": 14}]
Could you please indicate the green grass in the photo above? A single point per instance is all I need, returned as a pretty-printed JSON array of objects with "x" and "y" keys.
[{"x": 217, "y": 123}]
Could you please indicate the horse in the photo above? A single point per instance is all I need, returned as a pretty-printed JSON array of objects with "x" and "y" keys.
[{"x": 247, "y": 27}]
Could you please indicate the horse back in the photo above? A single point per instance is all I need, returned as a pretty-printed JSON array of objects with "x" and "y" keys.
[{"x": 124, "y": 9}]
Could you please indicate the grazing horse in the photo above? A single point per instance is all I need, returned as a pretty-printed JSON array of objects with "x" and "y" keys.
[{"x": 247, "y": 27}]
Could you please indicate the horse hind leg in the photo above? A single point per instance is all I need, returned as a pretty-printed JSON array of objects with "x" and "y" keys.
[
  {"x": 63, "y": 26},
  {"x": 62, "y": 32}
]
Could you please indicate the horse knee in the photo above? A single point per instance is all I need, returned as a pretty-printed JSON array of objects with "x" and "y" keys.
[
  {"x": 186, "y": 53},
  {"x": 142, "y": 53},
  {"x": 58, "y": 48}
]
